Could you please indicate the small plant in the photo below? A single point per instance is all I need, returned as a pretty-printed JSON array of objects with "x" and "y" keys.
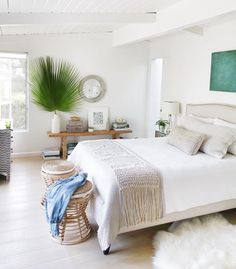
[{"x": 162, "y": 124}]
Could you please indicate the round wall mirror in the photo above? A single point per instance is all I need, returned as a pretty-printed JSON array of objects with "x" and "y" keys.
[{"x": 93, "y": 88}]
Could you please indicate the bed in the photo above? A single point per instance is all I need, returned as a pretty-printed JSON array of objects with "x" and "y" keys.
[{"x": 190, "y": 185}]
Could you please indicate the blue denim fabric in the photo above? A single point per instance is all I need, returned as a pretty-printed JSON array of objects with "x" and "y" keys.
[{"x": 58, "y": 197}]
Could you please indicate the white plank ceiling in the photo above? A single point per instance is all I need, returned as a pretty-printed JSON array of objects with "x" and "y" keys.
[{"x": 24, "y": 17}]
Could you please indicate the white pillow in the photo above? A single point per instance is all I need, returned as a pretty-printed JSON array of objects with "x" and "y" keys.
[
  {"x": 186, "y": 140},
  {"x": 232, "y": 147},
  {"x": 218, "y": 139}
]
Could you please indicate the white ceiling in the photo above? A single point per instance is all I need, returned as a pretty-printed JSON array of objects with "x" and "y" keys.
[
  {"x": 38, "y": 16},
  {"x": 120, "y": 6}
]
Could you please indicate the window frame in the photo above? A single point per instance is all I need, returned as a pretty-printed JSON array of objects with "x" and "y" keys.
[{"x": 27, "y": 103}]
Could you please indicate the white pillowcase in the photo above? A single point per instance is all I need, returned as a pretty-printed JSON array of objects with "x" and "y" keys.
[
  {"x": 186, "y": 140},
  {"x": 232, "y": 147},
  {"x": 218, "y": 139}
]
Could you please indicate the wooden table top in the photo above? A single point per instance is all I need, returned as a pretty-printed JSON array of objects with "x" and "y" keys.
[{"x": 102, "y": 132}]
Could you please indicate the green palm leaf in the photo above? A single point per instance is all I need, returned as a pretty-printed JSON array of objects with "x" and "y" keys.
[{"x": 55, "y": 85}]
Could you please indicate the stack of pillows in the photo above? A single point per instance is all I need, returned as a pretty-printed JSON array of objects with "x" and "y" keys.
[{"x": 214, "y": 137}]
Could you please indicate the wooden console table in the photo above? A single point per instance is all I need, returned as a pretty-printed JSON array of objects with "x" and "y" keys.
[{"x": 63, "y": 136}]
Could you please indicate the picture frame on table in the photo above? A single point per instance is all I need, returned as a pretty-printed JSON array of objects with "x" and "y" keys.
[{"x": 98, "y": 118}]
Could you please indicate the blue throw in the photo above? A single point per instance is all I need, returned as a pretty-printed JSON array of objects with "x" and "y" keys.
[{"x": 58, "y": 197}]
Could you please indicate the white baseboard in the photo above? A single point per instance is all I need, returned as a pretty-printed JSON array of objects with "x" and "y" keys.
[{"x": 26, "y": 154}]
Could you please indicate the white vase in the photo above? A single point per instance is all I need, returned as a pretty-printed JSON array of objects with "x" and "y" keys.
[{"x": 56, "y": 124}]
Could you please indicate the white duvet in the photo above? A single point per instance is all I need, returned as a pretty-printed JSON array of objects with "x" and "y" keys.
[{"x": 187, "y": 181}]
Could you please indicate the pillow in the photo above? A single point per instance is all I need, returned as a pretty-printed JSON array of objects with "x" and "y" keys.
[
  {"x": 186, "y": 140},
  {"x": 232, "y": 147},
  {"x": 218, "y": 139}
]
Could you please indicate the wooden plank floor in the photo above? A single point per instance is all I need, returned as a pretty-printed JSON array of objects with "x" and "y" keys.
[{"x": 25, "y": 241}]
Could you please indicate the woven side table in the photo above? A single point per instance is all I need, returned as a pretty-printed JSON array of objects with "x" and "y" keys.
[
  {"x": 51, "y": 171},
  {"x": 74, "y": 227}
]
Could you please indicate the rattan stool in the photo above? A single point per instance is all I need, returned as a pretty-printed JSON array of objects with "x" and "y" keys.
[
  {"x": 74, "y": 227},
  {"x": 51, "y": 171}
]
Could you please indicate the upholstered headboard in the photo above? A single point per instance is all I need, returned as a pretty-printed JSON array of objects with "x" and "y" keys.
[{"x": 221, "y": 111}]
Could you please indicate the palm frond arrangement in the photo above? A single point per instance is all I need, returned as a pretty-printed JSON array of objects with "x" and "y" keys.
[{"x": 55, "y": 84}]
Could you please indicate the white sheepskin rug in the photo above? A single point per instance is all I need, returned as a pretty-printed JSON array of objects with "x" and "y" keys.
[{"x": 207, "y": 242}]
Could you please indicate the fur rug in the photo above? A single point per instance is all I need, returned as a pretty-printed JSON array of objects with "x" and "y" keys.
[{"x": 207, "y": 242}]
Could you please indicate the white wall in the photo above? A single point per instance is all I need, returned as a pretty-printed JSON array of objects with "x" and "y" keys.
[
  {"x": 123, "y": 70},
  {"x": 187, "y": 63}
]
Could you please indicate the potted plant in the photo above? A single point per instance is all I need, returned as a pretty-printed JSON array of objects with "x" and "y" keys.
[
  {"x": 55, "y": 87},
  {"x": 162, "y": 125}
]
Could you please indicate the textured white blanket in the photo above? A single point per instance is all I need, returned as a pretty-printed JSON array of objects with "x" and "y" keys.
[
  {"x": 139, "y": 182},
  {"x": 187, "y": 181}
]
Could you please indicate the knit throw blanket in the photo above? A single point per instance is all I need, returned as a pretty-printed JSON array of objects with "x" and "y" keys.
[{"x": 138, "y": 181}]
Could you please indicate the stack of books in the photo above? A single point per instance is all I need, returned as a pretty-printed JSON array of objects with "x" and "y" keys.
[
  {"x": 51, "y": 154},
  {"x": 70, "y": 147},
  {"x": 75, "y": 125},
  {"x": 120, "y": 125}
]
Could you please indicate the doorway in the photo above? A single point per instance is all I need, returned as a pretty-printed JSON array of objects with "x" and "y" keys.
[{"x": 154, "y": 96}]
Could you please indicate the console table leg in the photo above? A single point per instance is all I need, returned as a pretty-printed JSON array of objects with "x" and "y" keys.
[
  {"x": 115, "y": 136},
  {"x": 63, "y": 147}
]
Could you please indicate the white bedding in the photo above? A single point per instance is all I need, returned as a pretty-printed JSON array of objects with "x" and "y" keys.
[{"x": 188, "y": 181}]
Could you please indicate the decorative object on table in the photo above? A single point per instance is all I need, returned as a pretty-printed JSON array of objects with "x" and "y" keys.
[
  {"x": 90, "y": 129},
  {"x": 70, "y": 147},
  {"x": 162, "y": 125},
  {"x": 160, "y": 134},
  {"x": 75, "y": 125},
  {"x": 51, "y": 154},
  {"x": 55, "y": 87},
  {"x": 56, "y": 123},
  {"x": 171, "y": 109},
  {"x": 98, "y": 118},
  {"x": 203, "y": 242},
  {"x": 5, "y": 152},
  {"x": 223, "y": 71},
  {"x": 93, "y": 88},
  {"x": 75, "y": 117},
  {"x": 120, "y": 124},
  {"x": 8, "y": 124}
]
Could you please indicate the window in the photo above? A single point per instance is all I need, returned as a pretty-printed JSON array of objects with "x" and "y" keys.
[{"x": 13, "y": 90}]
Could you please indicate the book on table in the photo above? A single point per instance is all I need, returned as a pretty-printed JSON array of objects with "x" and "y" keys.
[{"x": 51, "y": 153}]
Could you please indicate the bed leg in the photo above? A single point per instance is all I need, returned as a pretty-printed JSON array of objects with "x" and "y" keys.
[{"x": 106, "y": 251}]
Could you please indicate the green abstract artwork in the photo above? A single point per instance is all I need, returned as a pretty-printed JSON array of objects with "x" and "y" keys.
[{"x": 223, "y": 71}]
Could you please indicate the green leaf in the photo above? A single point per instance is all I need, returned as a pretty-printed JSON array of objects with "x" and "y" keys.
[{"x": 55, "y": 85}]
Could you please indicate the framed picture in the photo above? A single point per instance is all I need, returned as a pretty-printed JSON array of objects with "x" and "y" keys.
[
  {"x": 98, "y": 118},
  {"x": 223, "y": 71}
]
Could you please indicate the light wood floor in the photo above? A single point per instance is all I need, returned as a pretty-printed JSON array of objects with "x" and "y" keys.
[{"x": 24, "y": 236}]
